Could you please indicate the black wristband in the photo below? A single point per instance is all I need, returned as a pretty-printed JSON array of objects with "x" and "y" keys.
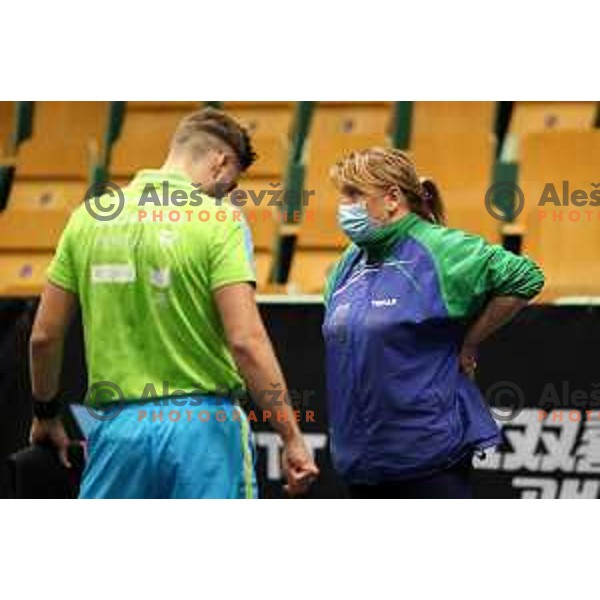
[{"x": 49, "y": 409}]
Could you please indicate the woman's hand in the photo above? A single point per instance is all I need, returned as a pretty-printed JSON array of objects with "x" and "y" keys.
[{"x": 468, "y": 360}]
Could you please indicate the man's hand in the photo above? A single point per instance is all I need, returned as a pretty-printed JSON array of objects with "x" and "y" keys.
[
  {"x": 51, "y": 431},
  {"x": 298, "y": 466}
]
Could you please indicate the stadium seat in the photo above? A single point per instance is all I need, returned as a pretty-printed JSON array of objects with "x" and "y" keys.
[
  {"x": 269, "y": 125},
  {"x": 149, "y": 126},
  {"x": 264, "y": 262},
  {"x": 565, "y": 240},
  {"x": 452, "y": 117},
  {"x": 145, "y": 137},
  {"x": 66, "y": 138},
  {"x": 262, "y": 218},
  {"x": 31, "y": 229},
  {"x": 52, "y": 170},
  {"x": 272, "y": 118},
  {"x": 59, "y": 195},
  {"x": 23, "y": 274},
  {"x": 531, "y": 117},
  {"x": 186, "y": 105},
  {"x": 351, "y": 118},
  {"x": 461, "y": 164},
  {"x": 310, "y": 269}
]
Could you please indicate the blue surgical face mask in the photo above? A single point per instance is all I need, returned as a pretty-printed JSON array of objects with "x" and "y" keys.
[{"x": 355, "y": 221}]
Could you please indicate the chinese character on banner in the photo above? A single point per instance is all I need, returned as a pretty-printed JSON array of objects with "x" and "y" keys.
[
  {"x": 541, "y": 442},
  {"x": 577, "y": 489},
  {"x": 523, "y": 433},
  {"x": 588, "y": 451},
  {"x": 559, "y": 437},
  {"x": 547, "y": 488},
  {"x": 536, "y": 487}
]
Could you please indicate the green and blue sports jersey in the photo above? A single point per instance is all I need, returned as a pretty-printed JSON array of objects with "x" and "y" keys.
[
  {"x": 146, "y": 291},
  {"x": 396, "y": 316}
]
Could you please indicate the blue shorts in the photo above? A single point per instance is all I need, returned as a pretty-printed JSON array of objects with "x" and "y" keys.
[{"x": 189, "y": 448}]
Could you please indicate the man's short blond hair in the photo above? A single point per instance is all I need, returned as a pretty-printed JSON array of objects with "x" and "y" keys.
[{"x": 201, "y": 129}]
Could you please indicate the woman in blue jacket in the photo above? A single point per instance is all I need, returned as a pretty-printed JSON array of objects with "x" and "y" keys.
[{"x": 406, "y": 307}]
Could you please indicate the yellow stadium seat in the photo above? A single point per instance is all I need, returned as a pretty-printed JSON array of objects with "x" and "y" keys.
[
  {"x": 262, "y": 219},
  {"x": 33, "y": 195},
  {"x": 148, "y": 129},
  {"x": 462, "y": 166},
  {"x": 271, "y": 156},
  {"x": 268, "y": 124},
  {"x": 65, "y": 141},
  {"x": 166, "y": 106},
  {"x": 145, "y": 138},
  {"x": 452, "y": 117},
  {"x": 32, "y": 230},
  {"x": 52, "y": 171},
  {"x": 310, "y": 269},
  {"x": 564, "y": 240},
  {"x": 351, "y": 118},
  {"x": 23, "y": 274},
  {"x": 266, "y": 118},
  {"x": 530, "y": 117}
]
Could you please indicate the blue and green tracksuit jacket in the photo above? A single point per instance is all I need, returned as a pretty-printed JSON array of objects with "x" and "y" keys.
[{"x": 396, "y": 315}]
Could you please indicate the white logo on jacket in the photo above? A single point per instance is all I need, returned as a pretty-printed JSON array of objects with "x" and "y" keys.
[{"x": 384, "y": 302}]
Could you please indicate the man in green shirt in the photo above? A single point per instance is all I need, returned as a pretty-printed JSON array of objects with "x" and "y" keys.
[{"x": 166, "y": 289}]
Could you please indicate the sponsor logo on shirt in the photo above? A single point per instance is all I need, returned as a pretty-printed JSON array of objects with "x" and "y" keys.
[
  {"x": 113, "y": 273},
  {"x": 384, "y": 302}
]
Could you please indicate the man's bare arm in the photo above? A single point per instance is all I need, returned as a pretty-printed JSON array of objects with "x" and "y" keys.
[
  {"x": 54, "y": 314},
  {"x": 253, "y": 352},
  {"x": 256, "y": 360}
]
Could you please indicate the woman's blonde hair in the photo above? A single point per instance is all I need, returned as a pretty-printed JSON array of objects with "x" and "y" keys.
[{"x": 377, "y": 169}]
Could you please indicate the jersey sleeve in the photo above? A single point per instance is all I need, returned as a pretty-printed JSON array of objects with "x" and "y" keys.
[
  {"x": 62, "y": 269},
  {"x": 231, "y": 255},
  {"x": 472, "y": 271}
]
